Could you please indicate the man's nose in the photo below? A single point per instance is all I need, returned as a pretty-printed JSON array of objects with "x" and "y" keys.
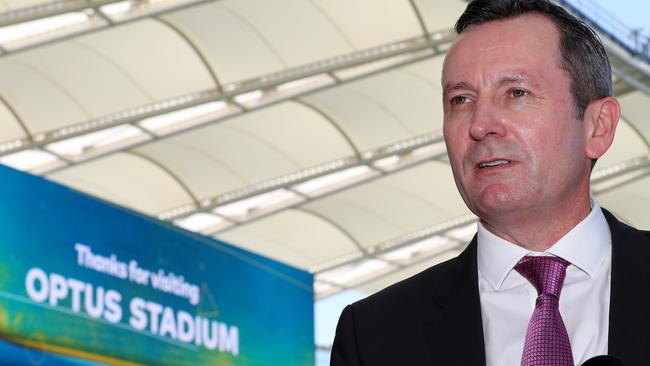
[{"x": 487, "y": 121}]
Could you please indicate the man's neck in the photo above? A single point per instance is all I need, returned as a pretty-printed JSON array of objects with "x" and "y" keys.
[{"x": 538, "y": 231}]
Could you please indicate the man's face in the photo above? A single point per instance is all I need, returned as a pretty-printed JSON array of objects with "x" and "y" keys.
[{"x": 515, "y": 145}]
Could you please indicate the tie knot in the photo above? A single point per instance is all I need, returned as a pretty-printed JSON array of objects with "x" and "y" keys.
[{"x": 546, "y": 274}]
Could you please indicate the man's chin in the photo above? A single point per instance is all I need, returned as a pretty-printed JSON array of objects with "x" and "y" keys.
[{"x": 496, "y": 203}]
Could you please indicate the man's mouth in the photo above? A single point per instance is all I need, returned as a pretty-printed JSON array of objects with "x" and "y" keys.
[{"x": 494, "y": 163}]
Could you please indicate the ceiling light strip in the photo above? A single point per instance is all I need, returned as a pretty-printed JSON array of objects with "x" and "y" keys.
[
  {"x": 28, "y": 34},
  {"x": 404, "y": 146},
  {"x": 33, "y": 160},
  {"x": 134, "y": 10},
  {"x": 620, "y": 174},
  {"x": 303, "y": 176},
  {"x": 370, "y": 279},
  {"x": 129, "y": 10},
  {"x": 256, "y": 213},
  {"x": 280, "y": 182},
  {"x": 126, "y": 117},
  {"x": 180, "y": 127},
  {"x": 601, "y": 175},
  {"x": 399, "y": 242},
  {"x": 369, "y": 269},
  {"x": 14, "y": 146},
  {"x": 46, "y": 10},
  {"x": 329, "y": 168},
  {"x": 349, "y": 274},
  {"x": 261, "y": 212},
  {"x": 287, "y": 205},
  {"x": 203, "y": 222},
  {"x": 181, "y": 211}
]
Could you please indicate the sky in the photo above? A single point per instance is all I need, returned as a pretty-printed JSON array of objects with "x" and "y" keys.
[
  {"x": 634, "y": 13},
  {"x": 627, "y": 14}
]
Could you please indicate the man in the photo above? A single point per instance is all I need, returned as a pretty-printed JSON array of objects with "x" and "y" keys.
[{"x": 528, "y": 108}]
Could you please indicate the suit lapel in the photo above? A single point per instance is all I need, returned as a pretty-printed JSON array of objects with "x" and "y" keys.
[
  {"x": 455, "y": 333},
  {"x": 629, "y": 314}
]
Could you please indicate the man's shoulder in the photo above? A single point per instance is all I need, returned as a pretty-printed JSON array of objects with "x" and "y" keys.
[
  {"x": 417, "y": 290},
  {"x": 645, "y": 233},
  {"x": 627, "y": 234},
  {"x": 392, "y": 327}
]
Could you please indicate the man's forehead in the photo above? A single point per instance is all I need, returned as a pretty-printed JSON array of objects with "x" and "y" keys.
[{"x": 503, "y": 42}]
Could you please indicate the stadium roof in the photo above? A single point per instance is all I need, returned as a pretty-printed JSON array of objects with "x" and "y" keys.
[{"x": 307, "y": 131}]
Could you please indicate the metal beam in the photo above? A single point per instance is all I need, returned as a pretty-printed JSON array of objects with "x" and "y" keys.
[
  {"x": 286, "y": 182},
  {"x": 185, "y": 211},
  {"x": 109, "y": 24},
  {"x": 49, "y": 9},
  {"x": 390, "y": 272},
  {"x": 269, "y": 81}
]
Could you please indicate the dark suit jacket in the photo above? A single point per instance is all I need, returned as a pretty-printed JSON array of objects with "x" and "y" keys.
[{"x": 434, "y": 318}]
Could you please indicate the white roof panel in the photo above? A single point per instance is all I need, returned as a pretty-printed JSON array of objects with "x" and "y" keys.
[
  {"x": 94, "y": 75},
  {"x": 251, "y": 148},
  {"x": 628, "y": 144},
  {"x": 630, "y": 202},
  {"x": 440, "y": 15},
  {"x": 383, "y": 109},
  {"x": 395, "y": 205},
  {"x": 9, "y": 127},
  {"x": 126, "y": 180},
  {"x": 168, "y": 55},
  {"x": 429, "y": 70},
  {"x": 234, "y": 50},
  {"x": 91, "y": 82},
  {"x": 635, "y": 111},
  {"x": 245, "y": 39},
  {"x": 293, "y": 236},
  {"x": 154, "y": 56},
  {"x": 297, "y": 30},
  {"x": 396, "y": 276},
  {"x": 41, "y": 102},
  {"x": 391, "y": 20}
]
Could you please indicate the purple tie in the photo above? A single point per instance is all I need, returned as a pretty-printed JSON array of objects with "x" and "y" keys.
[{"x": 547, "y": 341}]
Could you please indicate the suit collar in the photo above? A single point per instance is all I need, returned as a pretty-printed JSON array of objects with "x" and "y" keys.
[
  {"x": 629, "y": 318},
  {"x": 456, "y": 330},
  {"x": 497, "y": 256}
]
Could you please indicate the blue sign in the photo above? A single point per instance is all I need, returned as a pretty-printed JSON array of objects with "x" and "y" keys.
[{"x": 85, "y": 278}]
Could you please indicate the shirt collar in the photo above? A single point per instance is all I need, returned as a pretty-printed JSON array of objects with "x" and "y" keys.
[{"x": 496, "y": 256}]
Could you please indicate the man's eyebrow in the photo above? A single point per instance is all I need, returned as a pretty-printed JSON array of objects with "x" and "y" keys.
[
  {"x": 463, "y": 85},
  {"x": 503, "y": 80},
  {"x": 521, "y": 78}
]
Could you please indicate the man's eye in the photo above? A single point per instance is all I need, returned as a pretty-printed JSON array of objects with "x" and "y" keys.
[
  {"x": 459, "y": 100},
  {"x": 518, "y": 93}
]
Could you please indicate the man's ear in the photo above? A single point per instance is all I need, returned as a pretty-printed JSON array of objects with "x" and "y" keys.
[{"x": 599, "y": 125}]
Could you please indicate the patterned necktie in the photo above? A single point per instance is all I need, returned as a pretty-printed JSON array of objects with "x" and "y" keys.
[{"x": 547, "y": 341}]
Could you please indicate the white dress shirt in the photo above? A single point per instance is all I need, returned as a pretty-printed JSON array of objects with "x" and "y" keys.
[{"x": 508, "y": 299}]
